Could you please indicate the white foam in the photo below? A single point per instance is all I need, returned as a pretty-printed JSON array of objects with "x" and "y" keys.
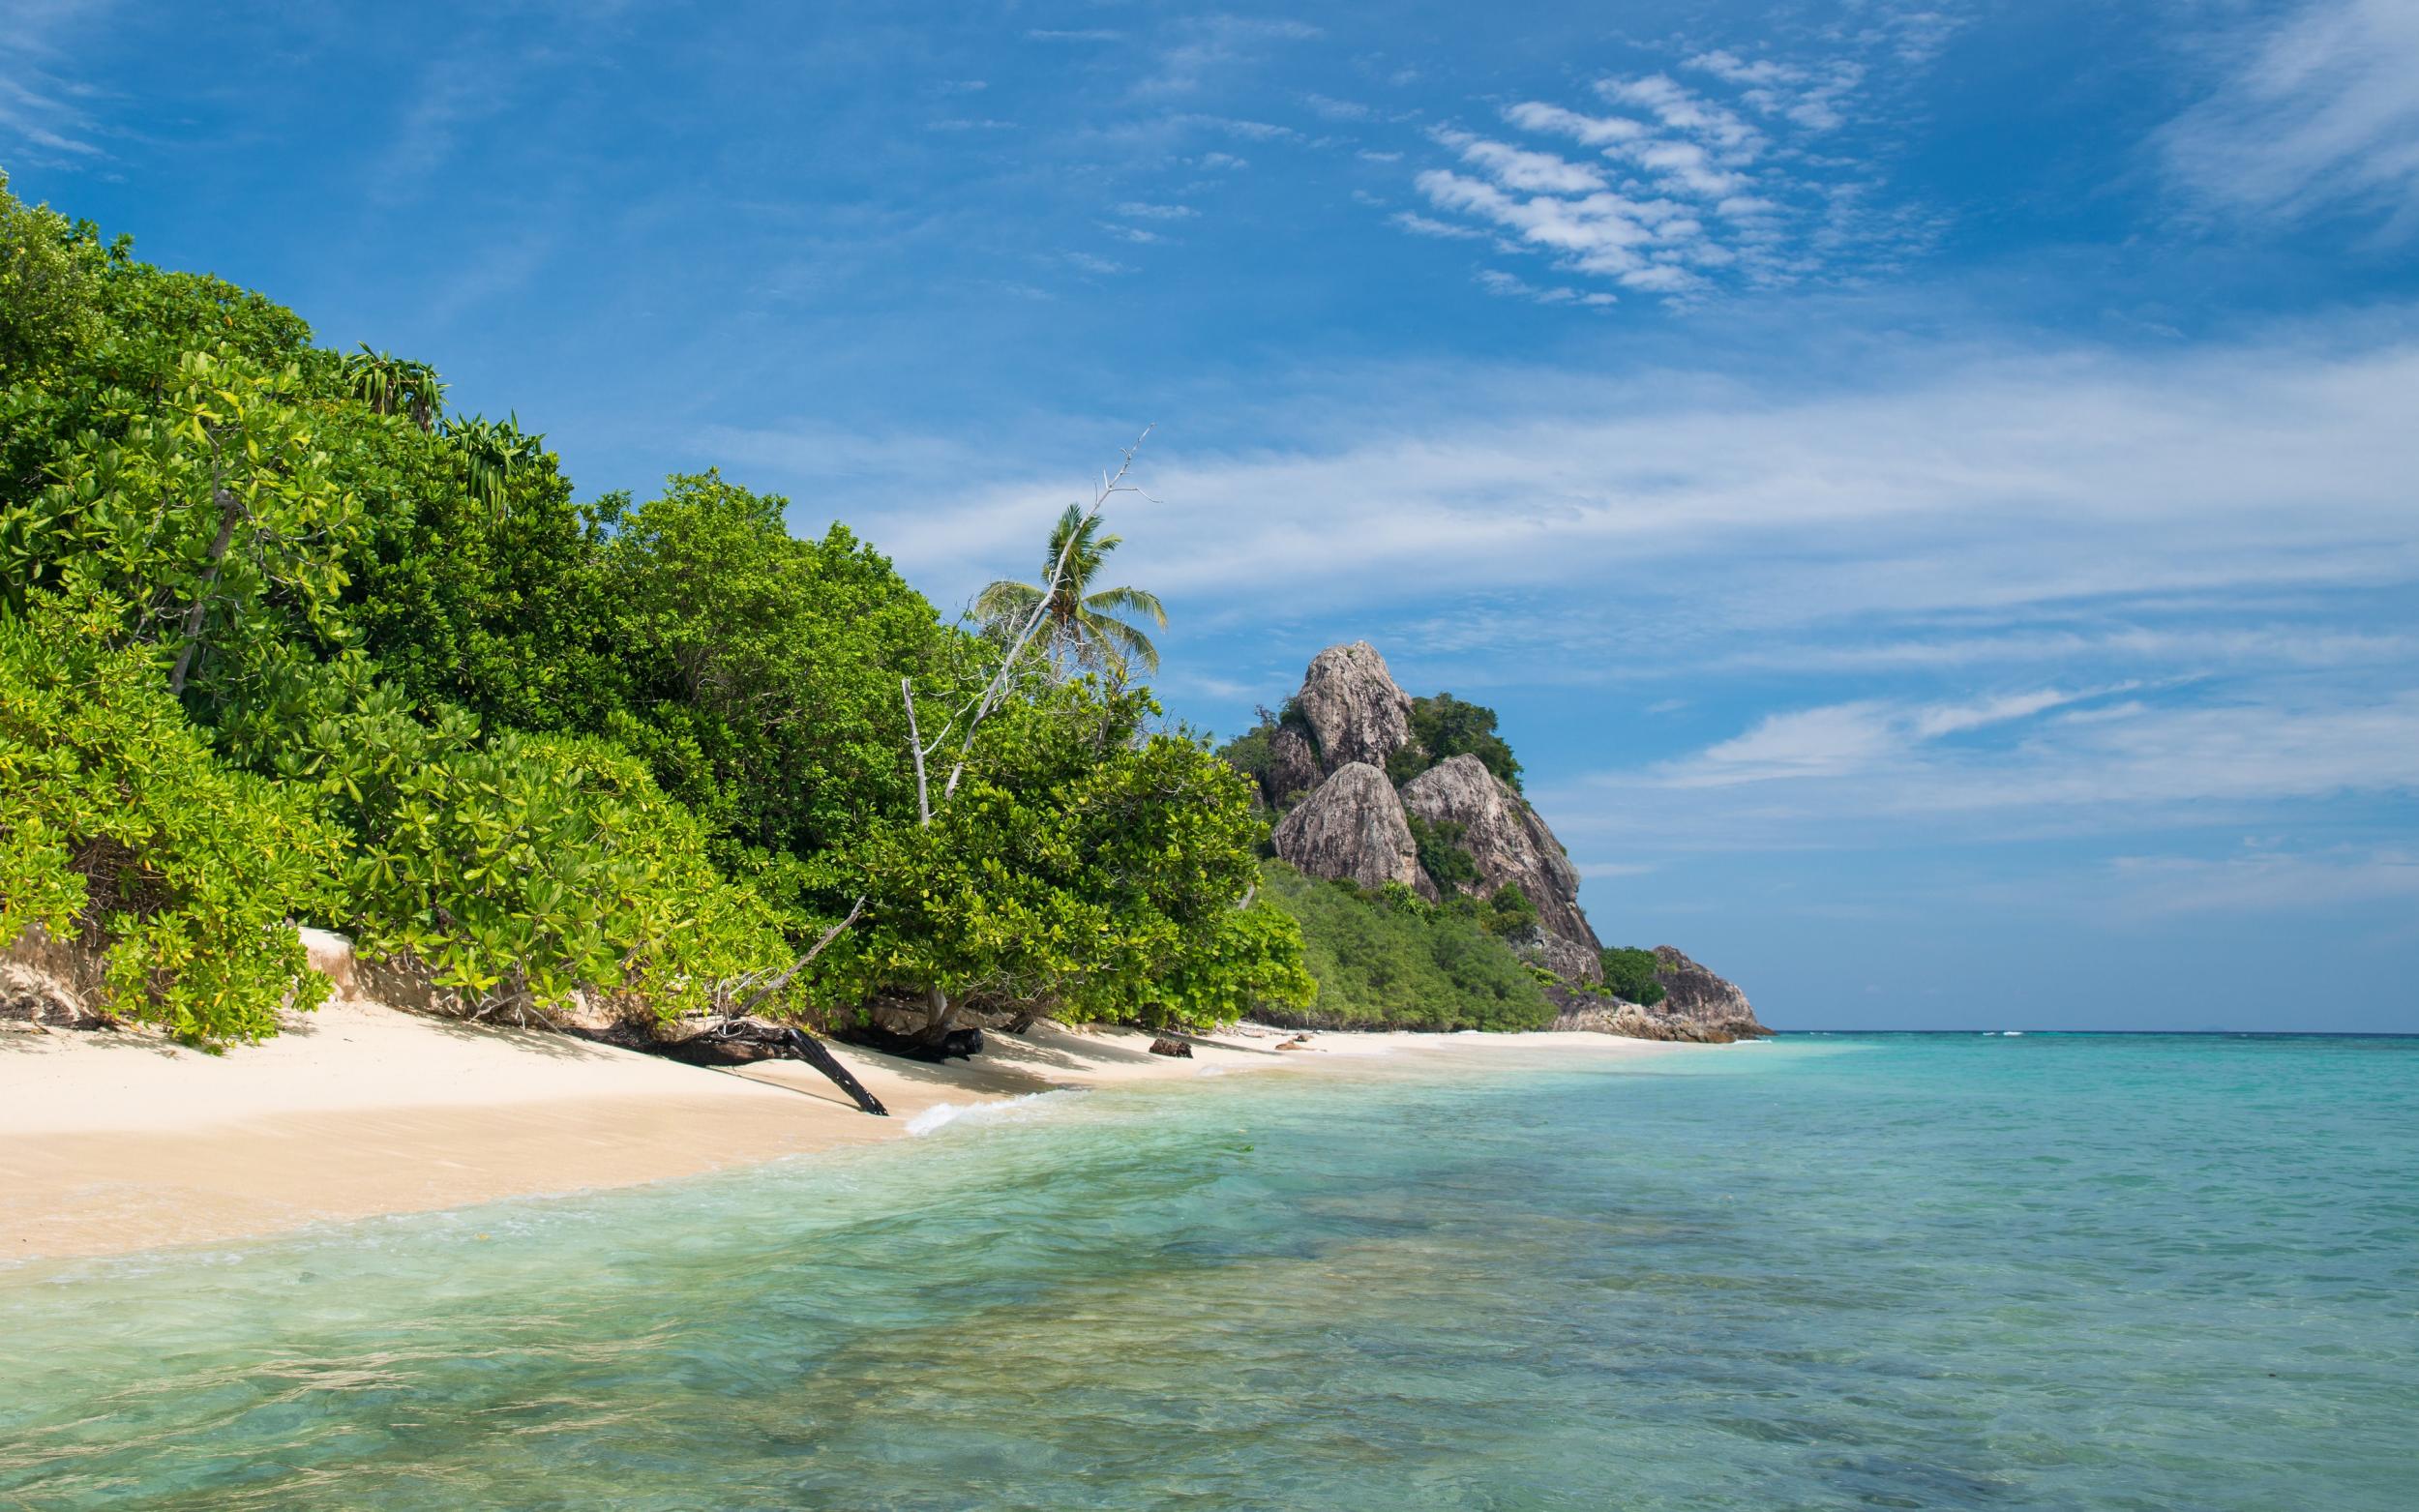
[{"x": 943, "y": 1114}]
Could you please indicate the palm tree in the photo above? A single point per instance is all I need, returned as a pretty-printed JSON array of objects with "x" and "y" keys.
[
  {"x": 493, "y": 451},
  {"x": 1079, "y": 626},
  {"x": 393, "y": 385}
]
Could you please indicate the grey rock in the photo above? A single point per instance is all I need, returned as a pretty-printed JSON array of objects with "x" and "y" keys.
[
  {"x": 1697, "y": 994},
  {"x": 1631, "y": 1022},
  {"x": 1513, "y": 846},
  {"x": 1355, "y": 711},
  {"x": 1293, "y": 766},
  {"x": 1353, "y": 826}
]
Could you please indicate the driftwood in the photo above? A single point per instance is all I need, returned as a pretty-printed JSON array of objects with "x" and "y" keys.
[
  {"x": 963, "y": 1044},
  {"x": 740, "y": 1042}
]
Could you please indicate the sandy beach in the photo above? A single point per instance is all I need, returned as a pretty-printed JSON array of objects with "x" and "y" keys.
[{"x": 120, "y": 1140}]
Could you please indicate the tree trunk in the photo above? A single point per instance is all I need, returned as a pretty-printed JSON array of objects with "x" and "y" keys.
[
  {"x": 937, "y": 1002},
  {"x": 229, "y": 511},
  {"x": 814, "y": 1054}
]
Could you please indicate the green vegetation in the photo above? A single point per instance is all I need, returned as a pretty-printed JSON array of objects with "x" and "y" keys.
[
  {"x": 281, "y": 640},
  {"x": 1083, "y": 626},
  {"x": 1442, "y": 727},
  {"x": 124, "y": 832},
  {"x": 1388, "y": 960},
  {"x": 1440, "y": 852},
  {"x": 1630, "y": 974}
]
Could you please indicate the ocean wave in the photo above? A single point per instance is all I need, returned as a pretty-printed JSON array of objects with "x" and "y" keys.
[{"x": 943, "y": 1114}]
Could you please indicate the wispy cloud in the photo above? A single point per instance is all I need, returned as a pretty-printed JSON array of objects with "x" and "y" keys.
[
  {"x": 44, "y": 116},
  {"x": 1686, "y": 192},
  {"x": 2317, "y": 111},
  {"x": 1201, "y": 45}
]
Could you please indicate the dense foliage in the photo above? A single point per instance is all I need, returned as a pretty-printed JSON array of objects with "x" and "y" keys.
[
  {"x": 1388, "y": 960},
  {"x": 1630, "y": 974},
  {"x": 124, "y": 833},
  {"x": 1444, "y": 726},
  {"x": 286, "y": 641}
]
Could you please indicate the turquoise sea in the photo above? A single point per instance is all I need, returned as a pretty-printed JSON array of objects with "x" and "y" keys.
[{"x": 1836, "y": 1271}]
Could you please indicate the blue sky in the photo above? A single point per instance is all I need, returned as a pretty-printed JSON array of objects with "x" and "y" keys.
[{"x": 1929, "y": 485}]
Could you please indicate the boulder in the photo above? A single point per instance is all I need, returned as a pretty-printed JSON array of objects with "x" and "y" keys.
[
  {"x": 1567, "y": 959},
  {"x": 1293, "y": 766},
  {"x": 1692, "y": 993},
  {"x": 1355, "y": 711},
  {"x": 1631, "y": 1022},
  {"x": 1513, "y": 846},
  {"x": 1164, "y": 1046},
  {"x": 1352, "y": 827}
]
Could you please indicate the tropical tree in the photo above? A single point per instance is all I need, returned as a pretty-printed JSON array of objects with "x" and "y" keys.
[
  {"x": 495, "y": 450},
  {"x": 393, "y": 385},
  {"x": 1081, "y": 626}
]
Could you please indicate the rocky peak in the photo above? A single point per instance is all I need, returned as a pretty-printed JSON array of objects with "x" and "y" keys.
[
  {"x": 1355, "y": 711},
  {"x": 1692, "y": 993},
  {"x": 1512, "y": 847},
  {"x": 1353, "y": 826}
]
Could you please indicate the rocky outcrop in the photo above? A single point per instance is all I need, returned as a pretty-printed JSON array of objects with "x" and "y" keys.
[
  {"x": 1355, "y": 711},
  {"x": 1512, "y": 847},
  {"x": 1631, "y": 1022},
  {"x": 1566, "y": 958},
  {"x": 1293, "y": 766},
  {"x": 1353, "y": 827},
  {"x": 1693, "y": 994}
]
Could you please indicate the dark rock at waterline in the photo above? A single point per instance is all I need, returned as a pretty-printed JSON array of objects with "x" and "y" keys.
[
  {"x": 1692, "y": 993},
  {"x": 1163, "y": 1046}
]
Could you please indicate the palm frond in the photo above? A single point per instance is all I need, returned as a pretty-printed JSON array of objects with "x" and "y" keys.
[
  {"x": 1128, "y": 601},
  {"x": 1124, "y": 641}
]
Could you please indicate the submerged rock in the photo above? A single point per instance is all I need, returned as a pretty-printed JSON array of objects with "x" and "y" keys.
[
  {"x": 1512, "y": 847},
  {"x": 1355, "y": 711},
  {"x": 1352, "y": 827},
  {"x": 1697, "y": 994}
]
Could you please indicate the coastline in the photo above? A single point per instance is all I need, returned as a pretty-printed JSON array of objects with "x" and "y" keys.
[{"x": 114, "y": 1141}]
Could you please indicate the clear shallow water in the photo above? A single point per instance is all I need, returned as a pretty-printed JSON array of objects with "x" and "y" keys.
[{"x": 2047, "y": 1272}]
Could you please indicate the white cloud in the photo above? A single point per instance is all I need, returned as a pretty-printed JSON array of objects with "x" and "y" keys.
[
  {"x": 1850, "y": 738},
  {"x": 1697, "y": 196},
  {"x": 2265, "y": 881},
  {"x": 1140, "y": 210},
  {"x": 1499, "y": 283},
  {"x": 1962, "y": 516},
  {"x": 41, "y": 119},
  {"x": 2318, "y": 111},
  {"x": 1422, "y": 225},
  {"x": 1528, "y": 172}
]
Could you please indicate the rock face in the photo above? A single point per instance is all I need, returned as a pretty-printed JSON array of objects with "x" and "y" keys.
[
  {"x": 1355, "y": 711},
  {"x": 1631, "y": 1022},
  {"x": 1353, "y": 827},
  {"x": 1293, "y": 766},
  {"x": 1699, "y": 997},
  {"x": 1511, "y": 844}
]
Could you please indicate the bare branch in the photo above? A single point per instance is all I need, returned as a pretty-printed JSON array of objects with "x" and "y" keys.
[{"x": 778, "y": 983}]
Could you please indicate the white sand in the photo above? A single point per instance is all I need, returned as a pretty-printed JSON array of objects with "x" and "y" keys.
[{"x": 120, "y": 1140}]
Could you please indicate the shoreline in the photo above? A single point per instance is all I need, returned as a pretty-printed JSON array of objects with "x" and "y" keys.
[{"x": 114, "y": 1141}]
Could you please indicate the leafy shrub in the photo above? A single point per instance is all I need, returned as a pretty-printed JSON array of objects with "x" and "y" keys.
[
  {"x": 1081, "y": 869},
  {"x": 529, "y": 873},
  {"x": 1440, "y": 852},
  {"x": 1391, "y": 961},
  {"x": 1629, "y": 973},
  {"x": 123, "y": 832},
  {"x": 1445, "y": 727},
  {"x": 1508, "y": 913}
]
